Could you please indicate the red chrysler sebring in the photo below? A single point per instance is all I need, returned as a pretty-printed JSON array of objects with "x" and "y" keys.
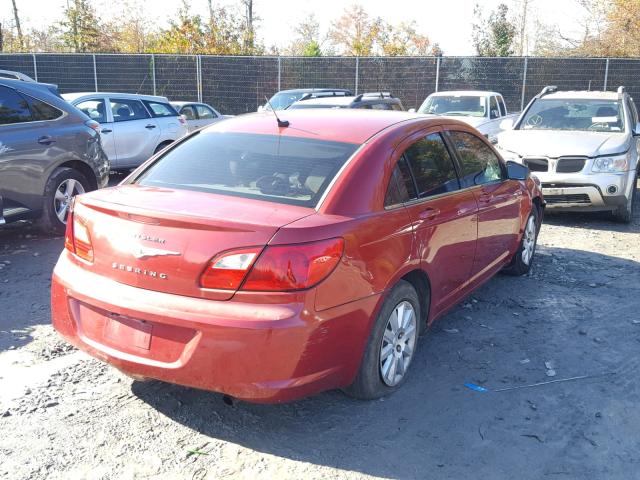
[{"x": 270, "y": 260}]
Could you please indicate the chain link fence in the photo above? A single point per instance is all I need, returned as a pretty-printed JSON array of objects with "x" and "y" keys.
[{"x": 240, "y": 84}]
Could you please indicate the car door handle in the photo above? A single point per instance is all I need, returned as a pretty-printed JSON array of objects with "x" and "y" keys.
[
  {"x": 429, "y": 213},
  {"x": 46, "y": 140},
  {"x": 150, "y": 126},
  {"x": 106, "y": 130}
]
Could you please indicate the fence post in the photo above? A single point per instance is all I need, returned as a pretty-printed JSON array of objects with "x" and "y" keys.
[
  {"x": 199, "y": 77},
  {"x": 95, "y": 73},
  {"x": 437, "y": 72},
  {"x": 357, "y": 74},
  {"x": 153, "y": 72},
  {"x": 279, "y": 71},
  {"x": 35, "y": 67},
  {"x": 606, "y": 75},
  {"x": 524, "y": 83}
]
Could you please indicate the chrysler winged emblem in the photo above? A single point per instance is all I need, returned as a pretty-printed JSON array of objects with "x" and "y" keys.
[{"x": 141, "y": 252}]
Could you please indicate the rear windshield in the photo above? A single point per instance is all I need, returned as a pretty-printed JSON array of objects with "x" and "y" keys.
[
  {"x": 294, "y": 171},
  {"x": 457, "y": 105}
]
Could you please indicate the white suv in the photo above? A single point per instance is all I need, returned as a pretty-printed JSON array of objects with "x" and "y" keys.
[
  {"x": 133, "y": 127},
  {"x": 583, "y": 146}
]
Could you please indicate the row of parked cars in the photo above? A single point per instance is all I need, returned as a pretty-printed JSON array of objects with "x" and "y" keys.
[
  {"x": 53, "y": 147},
  {"x": 582, "y": 145}
]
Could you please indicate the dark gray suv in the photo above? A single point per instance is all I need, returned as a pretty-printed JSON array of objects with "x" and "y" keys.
[{"x": 49, "y": 152}]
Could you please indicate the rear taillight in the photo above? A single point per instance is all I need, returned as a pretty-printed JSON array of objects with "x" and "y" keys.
[
  {"x": 77, "y": 238},
  {"x": 279, "y": 268},
  {"x": 227, "y": 270},
  {"x": 93, "y": 124},
  {"x": 294, "y": 267},
  {"x": 182, "y": 119}
]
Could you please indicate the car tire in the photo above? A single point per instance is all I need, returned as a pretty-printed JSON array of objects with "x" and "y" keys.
[
  {"x": 624, "y": 213},
  {"x": 387, "y": 350},
  {"x": 57, "y": 198},
  {"x": 162, "y": 145},
  {"x": 523, "y": 258}
]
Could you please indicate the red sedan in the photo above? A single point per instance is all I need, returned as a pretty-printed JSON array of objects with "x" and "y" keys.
[{"x": 270, "y": 261}]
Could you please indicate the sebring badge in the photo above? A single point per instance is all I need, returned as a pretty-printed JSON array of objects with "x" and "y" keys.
[{"x": 139, "y": 271}]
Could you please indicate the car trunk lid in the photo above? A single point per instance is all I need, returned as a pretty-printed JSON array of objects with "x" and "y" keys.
[{"x": 162, "y": 239}]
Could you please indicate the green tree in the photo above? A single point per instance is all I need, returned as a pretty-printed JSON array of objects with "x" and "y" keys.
[
  {"x": 312, "y": 49},
  {"x": 81, "y": 27},
  {"x": 494, "y": 36},
  {"x": 307, "y": 40},
  {"x": 184, "y": 35}
]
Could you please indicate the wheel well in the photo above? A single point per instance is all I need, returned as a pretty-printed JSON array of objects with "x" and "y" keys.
[
  {"x": 161, "y": 145},
  {"x": 538, "y": 203},
  {"x": 420, "y": 281},
  {"x": 85, "y": 170}
]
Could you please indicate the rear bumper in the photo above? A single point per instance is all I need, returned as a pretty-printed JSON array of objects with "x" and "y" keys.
[{"x": 261, "y": 352}]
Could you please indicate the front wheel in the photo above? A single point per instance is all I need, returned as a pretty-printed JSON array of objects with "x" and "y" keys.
[
  {"x": 61, "y": 187},
  {"x": 391, "y": 347},
  {"x": 523, "y": 258},
  {"x": 624, "y": 213}
]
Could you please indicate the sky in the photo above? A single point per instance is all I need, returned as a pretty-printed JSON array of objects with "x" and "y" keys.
[{"x": 448, "y": 22}]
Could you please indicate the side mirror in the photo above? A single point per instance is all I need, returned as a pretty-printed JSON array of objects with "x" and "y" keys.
[
  {"x": 261, "y": 108},
  {"x": 412, "y": 110},
  {"x": 517, "y": 171},
  {"x": 636, "y": 131},
  {"x": 506, "y": 124}
]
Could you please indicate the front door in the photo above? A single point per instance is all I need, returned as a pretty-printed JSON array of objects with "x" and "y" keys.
[
  {"x": 443, "y": 215},
  {"x": 498, "y": 198}
]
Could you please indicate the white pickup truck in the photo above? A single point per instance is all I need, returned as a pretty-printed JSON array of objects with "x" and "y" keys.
[{"x": 482, "y": 110}]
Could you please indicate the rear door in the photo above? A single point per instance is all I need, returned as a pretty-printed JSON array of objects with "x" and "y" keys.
[
  {"x": 29, "y": 141},
  {"x": 483, "y": 173},
  {"x": 96, "y": 109},
  {"x": 136, "y": 134},
  {"x": 443, "y": 215}
]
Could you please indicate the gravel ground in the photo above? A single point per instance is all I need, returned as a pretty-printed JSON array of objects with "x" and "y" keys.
[{"x": 65, "y": 415}]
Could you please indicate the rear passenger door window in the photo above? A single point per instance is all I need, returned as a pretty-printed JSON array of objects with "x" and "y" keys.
[
  {"x": 13, "y": 107},
  {"x": 158, "y": 109},
  {"x": 126, "y": 110},
  {"x": 432, "y": 166},
  {"x": 478, "y": 164}
]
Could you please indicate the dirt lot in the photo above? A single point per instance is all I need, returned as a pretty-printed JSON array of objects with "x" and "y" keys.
[{"x": 65, "y": 415}]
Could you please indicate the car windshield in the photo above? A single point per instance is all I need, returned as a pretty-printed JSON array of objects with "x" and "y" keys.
[
  {"x": 574, "y": 114},
  {"x": 275, "y": 168},
  {"x": 455, "y": 105},
  {"x": 282, "y": 100}
]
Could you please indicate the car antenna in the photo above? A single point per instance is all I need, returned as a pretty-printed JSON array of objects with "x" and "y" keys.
[{"x": 281, "y": 123}]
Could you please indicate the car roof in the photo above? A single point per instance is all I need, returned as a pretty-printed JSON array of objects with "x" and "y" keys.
[
  {"x": 74, "y": 96},
  {"x": 338, "y": 125},
  {"x": 184, "y": 102},
  {"x": 584, "y": 94},
  {"x": 461, "y": 93},
  {"x": 310, "y": 90}
]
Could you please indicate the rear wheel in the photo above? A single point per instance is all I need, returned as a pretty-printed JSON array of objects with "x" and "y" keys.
[
  {"x": 162, "y": 145},
  {"x": 624, "y": 213},
  {"x": 391, "y": 346},
  {"x": 523, "y": 258},
  {"x": 61, "y": 187}
]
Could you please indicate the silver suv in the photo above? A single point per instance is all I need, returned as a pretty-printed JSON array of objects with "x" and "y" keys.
[
  {"x": 583, "y": 146},
  {"x": 133, "y": 127}
]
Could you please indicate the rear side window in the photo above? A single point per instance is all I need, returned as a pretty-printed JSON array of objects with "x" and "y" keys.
[
  {"x": 205, "y": 112},
  {"x": 94, "y": 109},
  {"x": 13, "y": 107},
  {"x": 158, "y": 109},
  {"x": 41, "y": 110},
  {"x": 432, "y": 166},
  {"x": 401, "y": 187},
  {"x": 125, "y": 109},
  {"x": 478, "y": 163},
  {"x": 294, "y": 171}
]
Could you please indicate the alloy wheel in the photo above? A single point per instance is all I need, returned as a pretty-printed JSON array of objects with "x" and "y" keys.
[
  {"x": 529, "y": 240},
  {"x": 398, "y": 343},
  {"x": 62, "y": 199}
]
